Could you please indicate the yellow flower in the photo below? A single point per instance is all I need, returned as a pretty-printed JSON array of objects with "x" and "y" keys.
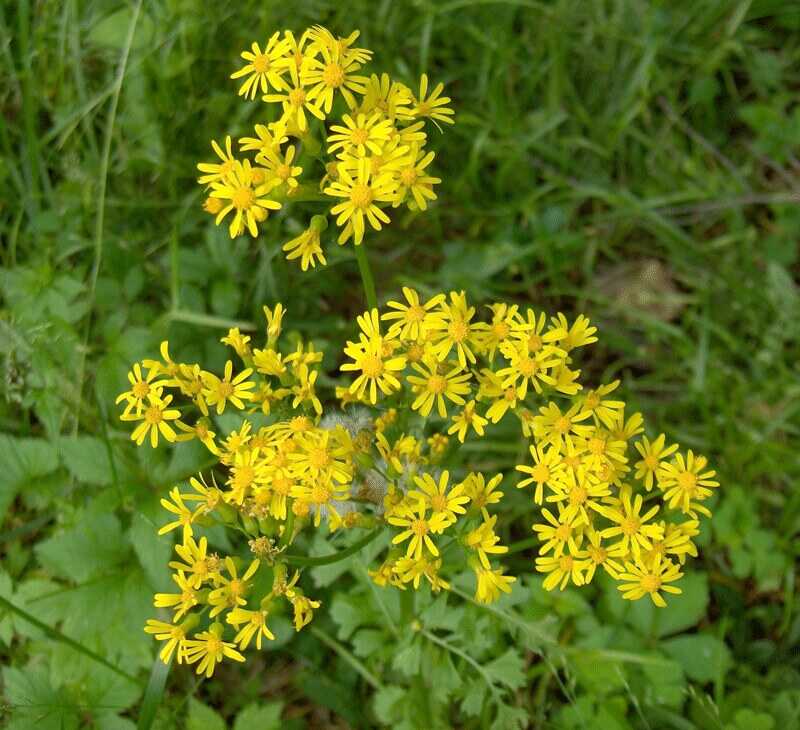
[
  {"x": 444, "y": 503},
  {"x": 653, "y": 453},
  {"x": 547, "y": 469},
  {"x": 412, "y": 179},
  {"x": 303, "y": 608},
  {"x": 604, "y": 411},
  {"x": 304, "y": 390},
  {"x": 685, "y": 483},
  {"x": 468, "y": 417},
  {"x": 362, "y": 192},
  {"x": 635, "y": 534},
  {"x": 154, "y": 420},
  {"x": 335, "y": 71},
  {"x": 579, "y": 493},
  {"x": 596, "y": 554},
  {"x": 360, "y": 134},
  {"x": 642, "y": 579},
  {"x": 263, "y": 68},
  {"x": 228, "y": 389},
  {"x": 561, "y": 571},
  {"x": 217, "y": 172},
  {"x": 557, "y": 428},
  {"x": 182, "y": 602},
  {"x": 376, "y": 370},
  {"x": 295, "y": 101},
  {"x": 238, "y": 341},
  {"x": 491, "y": 583},
  {"x": 524, "y": 368},
  {"x": 279, "y": 167},
  {"x": 409, "y": 318},
  {"x": 450, "y": 328},
  {"x": 274, "y": 319},
  {"x": 433, "y": 106},
  {"x": 436, "y": 384},
  {"x": 233, "y": 589},
  {"x": 184, "y": 514},
  {"x": 253, "y": 623},
  {"x": 557, "y": 535},
  {"x": 307, "y": 248},
  {"x": 484, "y": 541},
  {"x": 175, "y": 637},
  {"x": 209, "y": 649},
  {"x": 200, "y": 566},
  {"x": 244, "y": 197},
  {"x": 267, "y": 139},
  {"x": 418, "y": 529},
  {"x": 142, "y": 389},
  {"x": 581, "y": 333},
  {"x": 483, "y": 493},
  {"x": 391, "y": 98}
]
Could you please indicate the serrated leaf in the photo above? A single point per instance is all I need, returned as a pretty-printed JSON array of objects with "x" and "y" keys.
[
  {"x": 35, "y": 704},
  {"x": 474, "y": 696},
  {"x": 407, "y": 659},
  {"x": 23, "y": 460},
  {"x": 86, "y": 458},
  {"x": 387, "y": 704},
  {"x": 507, "y": 669}
]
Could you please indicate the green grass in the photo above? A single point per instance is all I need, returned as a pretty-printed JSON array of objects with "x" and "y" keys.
[{"x": 634, "y": 161}]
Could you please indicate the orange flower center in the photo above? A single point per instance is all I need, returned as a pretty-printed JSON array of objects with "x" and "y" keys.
[
  {"x": 261, "y": 63},
  {"x": 437, "y": 384},
  {"x": 243, "y": 198},
  {"x": 361, "y": 196},
  {"x": 333, "y": 75},
  {"x": 372, "y": 366}
]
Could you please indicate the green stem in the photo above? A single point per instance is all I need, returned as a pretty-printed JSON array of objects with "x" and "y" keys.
[
  {"x": 334, "y": 557},
  {"x": 520, "y": 545},
  {"x": 288, "y": 528},
  {"x": 370, "y": 678},
  {"x": 58, "y": 636},
  {"x": 366, "y": 276}
]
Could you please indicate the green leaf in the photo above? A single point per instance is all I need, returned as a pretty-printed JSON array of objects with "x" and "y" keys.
[
  {"x": 407, "y": 659},
  {"x": 23, "y": 460},
  {"x": 90, "y": 548},
  {"x": 260, "y": 717},
  {"x": 474, "y": 696},
  {"x": 507, "y": 669},
  {"x": 202, "y": 717},
  {"x": 153, "y": 551},
  {"x": 86, "y": 458},
  {"x": 388, "y": 704},
  {"x": 36, "y": 705},
  {"x": 704, "y": 658},
  {"x": 6, "y": 625}
]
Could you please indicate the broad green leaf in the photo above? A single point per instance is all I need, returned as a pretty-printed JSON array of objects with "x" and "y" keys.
[
  {"x": 704, "y": 658},
  {"x": 87, "y": 460},
  {"x": 35, "y": 704},
  {"x": 23, "y": 460},
  {"x": 260, "y": 717},
  {"x": 202, "y": 717}
]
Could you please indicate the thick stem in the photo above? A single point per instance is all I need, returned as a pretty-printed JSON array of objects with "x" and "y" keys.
[
  {"x": 366, "y": 276},
  {"x": 334, "y": 557}
]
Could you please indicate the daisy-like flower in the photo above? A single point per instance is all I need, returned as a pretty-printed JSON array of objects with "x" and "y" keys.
[
  {"x": 218, "y": 171},
  {"x": 579, "y": 334},
  {"x": 433, "y": 105},
  {"x": 482, "y": 493},
  {"x": 411, "y": 570},
  {"x": 182, "y": 602},
  {"x": 435, "y": 383},
  {"x": 268, "y": 139},
  {"x": 685, "y": 483},
  {"x": 233, "y": 589},
  {"x": 547, "y": 469},
  {"x": 295, "y": 101},
  {"x": 376, "y": 370},
  {"x": 468, "y": 418},
  {"x": 578, "y": 493},
  {"x": 175, "y": 637},
  {"x": 597, "y": 554},
  {"x": 155, "y": 419},
  {"x": 335, "y": 71},
  {"x": 560, "y": 533},
  {"x": 184, "y": 515},
  {"x": 417, "y": 530},
  {"x": 409, "y": 317},
  {"x": 209, "y": 649},
  {"x": 484, "y": 541},
  {"x": 361, "y": 193},
  {"x": 557, "y": 428},
  {"x": 231, "y": 389},
  {"x": 197, "y": 563},
  {"x": 491, "y": 583},
  {"x": 524, "y": 368},
  {"x": 252, "y": 623},
  {"x": 529, "y": 330},
  {"x": 142, "y": 389},
  {"x": 604, "y": 411},
  {"x": 561, "y": 571},
  {"x": 304, "y": 391},
  {"x": 306, "y": 247},
  {"x": 280, "y": 169},
  {"x": 641, "y": 578},
  {"x": 451, "y": 327},
  {"x": 244, "y": 197},
  {"x": 444, "y": 501},
  {"x": 496, "y": 332},
  {"x": 393, "y": 99},
  {"x": 635, "y": 534},
  {"x": 653, "y": 453},
  {"x": 413, "y": 180},
  {"x": 263, "y": 68},
  {"x": 359, "y": 134}
]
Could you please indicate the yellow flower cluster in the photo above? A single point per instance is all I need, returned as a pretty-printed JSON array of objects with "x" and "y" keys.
[
  {"x": 372, "y": 128},
  {"x": 288, "y": 466}
]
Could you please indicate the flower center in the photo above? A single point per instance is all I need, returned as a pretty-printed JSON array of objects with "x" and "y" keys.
[
  {"x": 577, "y": 495},
  {"x": 319, "y": 458},
  {"x": 527, "y": 367},
  {"x": 565, "y": 563},
  {"x": 592, "y": 401},
  {"x": 597, "y": 446},
  {"x": 225, "y": 389},
  {"x": 297, "y": 97},
  {"x": 408, "y": 176},
  {"x": 687, "y": 481},
  {"x": 359, "y": 136},
  {"x": 153, "y": 415},
  {"x": 261, "y": 63},
  {"x": 562, "y": 425},
  {"x": 437, "y": 384},
  {"x": 500, "y": 330},
  {"x": 540, "y": 473},
  {"x": 320, "y": 494},
  {"x": 651, "y": 462},
  {"x": 141, "y": 389},
  {"x": 361, "y": 196},
  {"x": 439, "y": 502},
  {"x": 415, "y": 313},
  {"x": 333, "y": 75},
  {"x": 630, "y": 526},
  {"x": 243, "y": 198},
  {"x": 651, "y": 583},
  {"x": 372, "y": 366},
  {"x": 419, "y": 528},
  {"x": 458, "y": 331},
  {"x": 283, "y": 171},
  {"x": 534, "y": 343},
  {"x": 510, "y": 394}
]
